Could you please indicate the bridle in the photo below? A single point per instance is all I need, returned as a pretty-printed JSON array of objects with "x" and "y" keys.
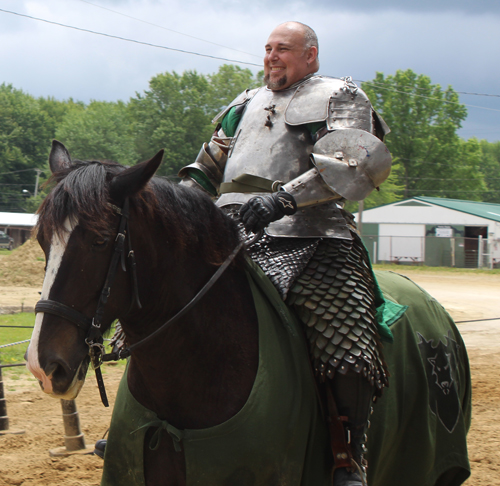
[{"x": 93, "y": 326}]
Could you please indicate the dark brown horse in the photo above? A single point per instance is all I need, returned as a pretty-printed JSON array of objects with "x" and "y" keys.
[{"x": 201, "y": 372}]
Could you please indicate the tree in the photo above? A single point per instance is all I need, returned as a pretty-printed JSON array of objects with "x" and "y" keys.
[
  {"x": 25, "y": 134},
  {"x": 173, "y": 114},
  {"x": 490, "y": 167},
  {"x": 177, "y": 110},
  {"x": 228, "y": 83},
  {"x": 424, "y": 119},
  {"x": 101, "y": 130}
]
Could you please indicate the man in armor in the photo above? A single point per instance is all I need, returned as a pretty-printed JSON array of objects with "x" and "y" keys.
[{"x": 283, "y": 159}]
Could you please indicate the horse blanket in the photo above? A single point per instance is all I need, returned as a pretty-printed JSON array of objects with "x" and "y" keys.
[
  {"x": 277, "y": 438},
  {"x": 419, "y": 426}
]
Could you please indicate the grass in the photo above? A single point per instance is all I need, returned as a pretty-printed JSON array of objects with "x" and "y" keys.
[
  {"x": 402, "y": 268},
  {"x": 5, "y": 252},
  {"x": 15, "y": 354}
]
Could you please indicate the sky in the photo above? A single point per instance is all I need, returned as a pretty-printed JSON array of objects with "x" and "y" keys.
[{"x": 454, "y": 42}]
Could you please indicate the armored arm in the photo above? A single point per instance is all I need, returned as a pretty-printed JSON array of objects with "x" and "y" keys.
[
  {"x": 349, "y": 158},
  {"x": 347, "y": 163},
  {"x": 207, "y": 170}
]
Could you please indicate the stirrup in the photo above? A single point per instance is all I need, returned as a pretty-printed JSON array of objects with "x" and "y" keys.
[
  {"x": 99, "y": 447},
  {"x": 343, "y": 477}
]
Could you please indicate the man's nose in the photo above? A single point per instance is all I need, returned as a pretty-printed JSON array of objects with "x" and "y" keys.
[{"x": 273, "y": 54}]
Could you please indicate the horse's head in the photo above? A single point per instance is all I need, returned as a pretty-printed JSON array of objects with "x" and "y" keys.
[{"x": 77, "y": 228}]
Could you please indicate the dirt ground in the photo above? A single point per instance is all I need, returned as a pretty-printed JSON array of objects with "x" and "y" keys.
[{"x": 25, "y": 458}]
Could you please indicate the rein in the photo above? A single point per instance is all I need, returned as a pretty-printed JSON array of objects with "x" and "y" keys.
[{"x": 94, "y": 339}]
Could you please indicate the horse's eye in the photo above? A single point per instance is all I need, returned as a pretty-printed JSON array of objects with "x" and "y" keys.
[{"x": 100, "y": 242}]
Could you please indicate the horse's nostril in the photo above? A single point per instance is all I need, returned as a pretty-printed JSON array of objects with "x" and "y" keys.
[{"x": 57, "y": 371}]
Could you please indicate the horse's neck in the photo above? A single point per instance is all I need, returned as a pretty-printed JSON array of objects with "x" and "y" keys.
[{"x": 200, "y": 371}]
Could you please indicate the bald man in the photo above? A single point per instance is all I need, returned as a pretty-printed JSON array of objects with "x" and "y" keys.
[{"x": 282, "y": 161}]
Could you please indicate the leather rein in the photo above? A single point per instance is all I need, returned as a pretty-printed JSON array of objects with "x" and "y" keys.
[{"x": 93, "y": 326}]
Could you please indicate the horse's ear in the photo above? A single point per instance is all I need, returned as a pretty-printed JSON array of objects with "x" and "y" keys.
[
  {"x": 59, "y": 157},
  {"x": 134, "y": 178}
]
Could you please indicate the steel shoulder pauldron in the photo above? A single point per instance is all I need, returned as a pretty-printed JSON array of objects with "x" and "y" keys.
[
  {"x": 211, "y": 160},
  {"x": 337, "y": 102}
]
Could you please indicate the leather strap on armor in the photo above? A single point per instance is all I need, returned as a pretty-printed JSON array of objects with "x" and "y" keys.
[
  {"x": 246, "y": 183},
  {"x": 342, "y": 455}
]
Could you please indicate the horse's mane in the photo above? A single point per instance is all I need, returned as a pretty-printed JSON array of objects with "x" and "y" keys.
[{"x": 81, "y": 193}]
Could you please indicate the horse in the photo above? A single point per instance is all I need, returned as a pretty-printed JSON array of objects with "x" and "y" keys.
[{"x": 218, "y": 388}]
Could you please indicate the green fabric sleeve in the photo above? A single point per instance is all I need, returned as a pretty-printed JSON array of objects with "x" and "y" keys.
[
  {"x": 230, "y": 122},
  {"x": 314, "y": 127},
  {"x": 199, "y": 177}
]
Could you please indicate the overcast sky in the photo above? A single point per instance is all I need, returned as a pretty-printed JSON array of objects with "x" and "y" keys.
[{"x": 454, "y": 42}]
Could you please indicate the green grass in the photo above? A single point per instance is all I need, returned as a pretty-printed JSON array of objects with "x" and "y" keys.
[
  {"x": 15, "y": 354},
  {"x": 5, "y": 252},
  {"x": 402, "y": 268}
]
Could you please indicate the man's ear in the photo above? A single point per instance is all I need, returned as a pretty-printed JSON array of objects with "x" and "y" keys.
[{"x": 312, "y": 54}]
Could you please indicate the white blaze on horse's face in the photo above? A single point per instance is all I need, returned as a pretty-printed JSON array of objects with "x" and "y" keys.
[{"x": 57, "y": 248}]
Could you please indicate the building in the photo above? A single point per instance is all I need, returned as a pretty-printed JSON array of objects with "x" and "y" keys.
[
  {"x": 433, "y": 231},
  {"x": 18, "y": 226}
]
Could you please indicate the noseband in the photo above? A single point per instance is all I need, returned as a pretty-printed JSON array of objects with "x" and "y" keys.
[{"x": 92, "y": 326}]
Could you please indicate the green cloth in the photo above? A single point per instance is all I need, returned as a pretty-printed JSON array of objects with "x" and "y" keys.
[
  {"x": 230, "y": 122},
  {"x": 416, "y": 421},
  {"x": 201, "y": 178},
  {"x": 277, "y": 438}
]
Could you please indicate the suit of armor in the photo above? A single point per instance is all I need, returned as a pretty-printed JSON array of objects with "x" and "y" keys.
[{"x": 321, "y": 141}]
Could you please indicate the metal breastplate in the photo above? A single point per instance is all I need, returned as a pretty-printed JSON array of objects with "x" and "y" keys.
[{"x": 265, "y": 146}]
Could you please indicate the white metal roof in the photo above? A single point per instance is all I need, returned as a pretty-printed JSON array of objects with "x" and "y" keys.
[
  {"x": 431, "y": 211},
  {"x": 18, "y": 219}
]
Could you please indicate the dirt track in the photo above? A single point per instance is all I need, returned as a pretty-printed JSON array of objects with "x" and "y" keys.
[{"x": 24, "y": 459}]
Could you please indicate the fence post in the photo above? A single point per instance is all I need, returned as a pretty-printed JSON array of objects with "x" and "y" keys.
[
  {"x": 480, "y": 252},
  {"x": 452, "y": 244},
  {"x": 73, "y": 437},
  {"x": 4, "y": 419}
]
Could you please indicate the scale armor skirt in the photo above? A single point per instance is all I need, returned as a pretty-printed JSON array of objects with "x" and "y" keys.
[
  {"x": 329, "y": 284},
  {"x": 334, "y": 299}
]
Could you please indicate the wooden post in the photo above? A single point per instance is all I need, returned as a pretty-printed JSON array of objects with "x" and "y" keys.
[
  {"x": 4, "y": 419},
  {"x": 73, "y": 437}
]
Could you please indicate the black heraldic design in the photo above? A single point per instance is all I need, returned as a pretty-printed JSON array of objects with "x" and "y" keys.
[{"x": 442, "y": 374}]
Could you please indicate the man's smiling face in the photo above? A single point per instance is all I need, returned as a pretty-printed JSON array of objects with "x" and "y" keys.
[{"x": 287, "y": 60}]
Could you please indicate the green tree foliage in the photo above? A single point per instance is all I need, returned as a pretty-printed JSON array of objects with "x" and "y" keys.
[
  {"x": 25, "y": 134},
  {"x": 490, "y": 167},
  {"x": 228, "y": 83},
  {"x": 173, "y": 114},
  {"x": 424, "y": 119},
  {"x": 101, "y": 130},
  {"x": 177, "y": 110}
]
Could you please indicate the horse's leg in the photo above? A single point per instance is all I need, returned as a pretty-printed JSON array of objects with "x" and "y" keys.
[
  {"x": 452, "y": 477},
  {"x": 164, "y": 466}
]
